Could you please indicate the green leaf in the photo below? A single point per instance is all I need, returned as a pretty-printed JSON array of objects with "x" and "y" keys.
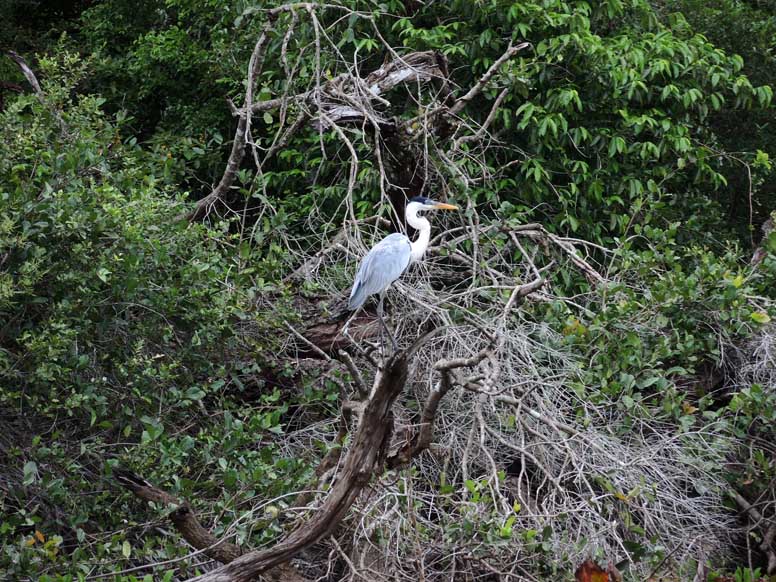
[
  {"x": 30, "y": 473},
  {"x": 102, "y": 274},
  {"x": 760, "y": 317},
  {"x": 126, "y": 549},
  {"x": 506, "y": 529},
  {"x": 648, "y": 382},
  {"x": 195, "y": 393},
  {"x": 573, "y": 223},
  {"x": 770, "y": 242}
]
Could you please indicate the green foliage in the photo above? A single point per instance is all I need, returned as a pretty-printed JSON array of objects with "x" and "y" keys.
[
  {"x": 118, "y": 325},
  {"x": 610, "y": 107},
  {"x": 747, "y": 29},
  {"x": 88, "y": 235}
]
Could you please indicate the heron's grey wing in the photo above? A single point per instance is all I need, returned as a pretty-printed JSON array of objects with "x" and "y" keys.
[{"x": 381, "y": 266}]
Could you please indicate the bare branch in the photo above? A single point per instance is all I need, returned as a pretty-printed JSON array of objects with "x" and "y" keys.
[
  {"x": 355, "y": 374},
  {"x": 511, "y": 51},
  {"x": 33, "y": 81},
  {"x": 29, "y": 75},
  {"x": 237, "y": 154}
]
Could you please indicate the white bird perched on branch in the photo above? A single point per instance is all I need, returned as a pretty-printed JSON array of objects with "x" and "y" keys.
[{"x": 389, "y": 258}]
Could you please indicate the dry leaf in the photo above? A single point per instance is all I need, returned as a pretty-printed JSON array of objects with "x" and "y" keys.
[
  {"x": 39, "y": 536},
  {"x": 589, "y": 571}
]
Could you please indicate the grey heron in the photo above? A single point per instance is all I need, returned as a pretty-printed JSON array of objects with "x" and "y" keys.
[{"x": 389, "y": 258}]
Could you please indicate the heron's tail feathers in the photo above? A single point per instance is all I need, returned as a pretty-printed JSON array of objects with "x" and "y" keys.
[{"x": 357, "y": 296}]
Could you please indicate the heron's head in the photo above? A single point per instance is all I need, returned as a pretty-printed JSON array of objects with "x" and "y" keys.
[{"x": 419, "y": 203}]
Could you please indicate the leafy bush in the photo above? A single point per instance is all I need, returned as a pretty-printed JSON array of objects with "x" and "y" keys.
[
  {"x": 103, "y": 289},
  {"x": 118, "y": 326}
]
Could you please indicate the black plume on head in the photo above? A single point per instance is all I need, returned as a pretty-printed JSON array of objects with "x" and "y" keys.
[{"x": 420, "y": 200}]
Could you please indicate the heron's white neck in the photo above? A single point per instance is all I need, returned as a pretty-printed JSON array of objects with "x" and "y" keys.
[{"x": 423, "y": 226}]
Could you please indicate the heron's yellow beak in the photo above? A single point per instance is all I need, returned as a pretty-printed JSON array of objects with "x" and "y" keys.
[{"x": 443, "y": 206}]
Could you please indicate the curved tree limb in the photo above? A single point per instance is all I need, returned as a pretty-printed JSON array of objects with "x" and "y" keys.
[
  {"x": 241, "y": 133},
  {"x": 364, "y": 459},
  {"x": 421, "y": 440},
  {"x": 29, "y": 75},
  {"x": 511, "y": 51},
  {"x": 185, "y": 521}
]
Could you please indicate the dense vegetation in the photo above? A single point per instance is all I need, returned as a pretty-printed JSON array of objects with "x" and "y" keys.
[{"x": 623, "y": 409}]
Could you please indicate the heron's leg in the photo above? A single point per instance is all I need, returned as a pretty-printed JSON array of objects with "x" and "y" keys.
[
  {"x": 382, "y": 321},
  {"x": 346, "y": 328}
]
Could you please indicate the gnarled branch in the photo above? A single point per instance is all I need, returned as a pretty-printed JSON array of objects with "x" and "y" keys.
[
  {"x": 185, "y": 521},
  {"x": 364, "y": 459}
]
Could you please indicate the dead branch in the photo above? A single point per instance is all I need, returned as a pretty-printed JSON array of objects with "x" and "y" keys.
[
  {"x": 480, "y": 133},
  {"x": 237, "y": 154},
  {"x": 364, "y": 459},
  {"x": 349, "y": 99},
  {"x": 538, "y": 232},
  {"x": 511, "y": 51},
  {"x": 355, "y": 374},
  {"x": 421, "y": 440},
  {"x": 29, "y": 75},
  {"x": 33, "y": 81},
  {"x": 766, "y": 546},
  {"x": 357, "y": 94},
  {"x": 346, "y": 99},
  {"x": 185, "y": 521}
]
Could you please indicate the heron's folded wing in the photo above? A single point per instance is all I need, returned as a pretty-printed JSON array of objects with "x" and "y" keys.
[{"x": 382, "y": 265}]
